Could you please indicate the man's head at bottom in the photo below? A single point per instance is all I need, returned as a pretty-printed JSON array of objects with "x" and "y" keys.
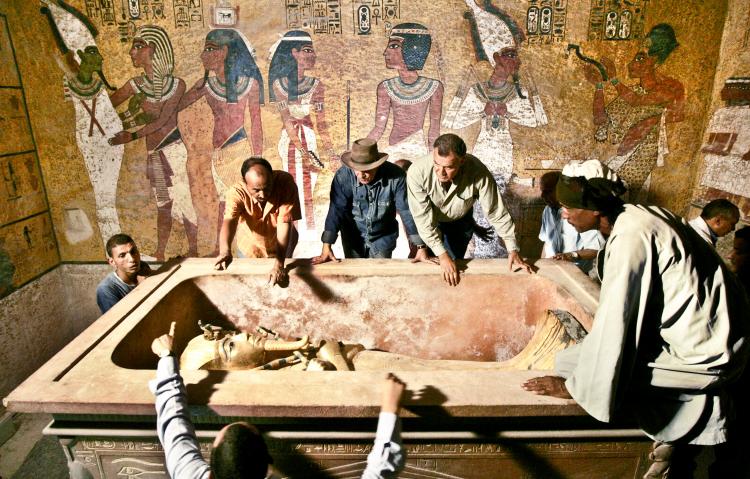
[{"x": 239, "y": 452}]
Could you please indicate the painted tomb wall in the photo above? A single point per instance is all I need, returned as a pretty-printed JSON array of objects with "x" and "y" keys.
[
  {"x": 142, "y": 110},
  {"x": 724, "y": 157}
]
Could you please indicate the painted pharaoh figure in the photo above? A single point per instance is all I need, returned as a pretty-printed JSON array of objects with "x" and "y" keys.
[
  {"x": 297, "y": 97},
  {"x": 636, "y": 119},
  {"x": 495, "y": 103},
  {"x": 96, "y": 119},
  {"x": 236, "y": 87},
  {"x": 152, "y": 114},
  {"x": 408, "y": 96}
]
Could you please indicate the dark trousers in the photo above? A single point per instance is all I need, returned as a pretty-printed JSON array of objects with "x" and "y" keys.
[{"x": 457, "y": 234}]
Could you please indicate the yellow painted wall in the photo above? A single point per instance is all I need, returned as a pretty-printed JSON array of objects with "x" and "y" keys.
[{"x": 358, "y": 59}]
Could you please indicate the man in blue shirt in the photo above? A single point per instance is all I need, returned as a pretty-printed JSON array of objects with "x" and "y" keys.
[
  {"x": 123, "y": 256},
  {"x": 365, "y": 196}
]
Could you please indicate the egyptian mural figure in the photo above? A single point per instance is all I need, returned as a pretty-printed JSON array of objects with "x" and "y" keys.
[
  {"x": 154, "y": 97},
  {"x": 96, "y": 119},
  {"x": 636, "y": 119},
  {"x": 296, "y": 96},
  {"x": 727, "y": 144},
  {"x": 408, "y": 96},
  {"x": 235, "y": 87},
  {"x": 495, "y": 103}
]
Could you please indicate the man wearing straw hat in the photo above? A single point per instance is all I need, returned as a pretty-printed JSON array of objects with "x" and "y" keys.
[{"x": 365, "y": 195}]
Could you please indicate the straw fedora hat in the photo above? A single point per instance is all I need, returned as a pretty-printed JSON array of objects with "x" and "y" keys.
[{"x": 364, "y": 155}]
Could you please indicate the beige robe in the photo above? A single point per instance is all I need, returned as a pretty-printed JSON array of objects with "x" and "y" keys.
[{"x": 670, "y": 333}]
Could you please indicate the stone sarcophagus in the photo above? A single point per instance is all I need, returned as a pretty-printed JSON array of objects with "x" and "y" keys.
[{"x": 463, "y": 352}]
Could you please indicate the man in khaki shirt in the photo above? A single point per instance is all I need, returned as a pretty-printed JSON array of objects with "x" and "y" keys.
[
  {"x": 442, "y": 189},
  {"x": 268, "y": 204}
]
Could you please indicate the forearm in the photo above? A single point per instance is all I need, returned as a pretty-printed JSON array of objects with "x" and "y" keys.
[
  {"x": 600, "y": 113},
  {"x": 283, "y": 234},
  {"x": 226, "y": 236}
]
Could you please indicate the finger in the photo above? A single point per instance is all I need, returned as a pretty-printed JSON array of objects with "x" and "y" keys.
[{"x": 172, "y": 328}]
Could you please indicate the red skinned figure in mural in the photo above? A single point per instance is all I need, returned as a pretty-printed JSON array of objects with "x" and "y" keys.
[
  {"x": 409, "y": 96},
  {"x": 154, "y": 97},
  {"x": 636, "y": 119},
  {"x": 297, "y": 96},
  {"x": 235, "y": 87}
]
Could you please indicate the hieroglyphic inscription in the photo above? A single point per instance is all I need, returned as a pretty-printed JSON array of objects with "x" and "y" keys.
[
  {"x": 545, "y": 21},
  {"x": 15, "y": 135},
  {"x": 617, "y": 20},
  {"x": 21, "y": 193},
  {"x": 320, "y": 16},
  {"x": 30, "y": 245},
  {"x": 188, "y": 13},
  {"x": 103, "y": 10},
  {"x": 368, "y": 14}
]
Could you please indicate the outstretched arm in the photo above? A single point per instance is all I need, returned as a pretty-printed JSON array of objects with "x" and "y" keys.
[
  {"x": 388, "y": 456},
  {"x": 122, "y": 94},
  {"x": 168, "y": 109},
  {"x": 382, "y": 110},
  {"x": 321, "y": 125},
  {"x": 436, "y": 112},
  {"x": 256, "y": 128},
  {"x": 176, "y": 431},
  {"x": 192, "y": 95}
]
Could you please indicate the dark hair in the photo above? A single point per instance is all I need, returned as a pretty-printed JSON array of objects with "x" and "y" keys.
[
  {"x": 742, "y": 233},
  {"x": 241, "y": 454},
  {"x": 238, "y": 63},
  {"x": 416, "y": 46},
  {"x": 550, "y": 178},
  {"x": 255, "y": 160},
  {"x": 663, "y": 41},
  {"x": 721, "y": 207},
  {"x": 117, "y": 240},
  {"x": 449, "y": 143},
  {"x": 284, "y": 65}
]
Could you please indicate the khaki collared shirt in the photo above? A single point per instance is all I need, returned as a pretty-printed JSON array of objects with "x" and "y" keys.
[
  {"x": 430, "y": 204},
  {"x": 258, "y": 240}
]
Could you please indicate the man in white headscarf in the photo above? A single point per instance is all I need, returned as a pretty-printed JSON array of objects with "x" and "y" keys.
[{"x": 670, "y": 335}]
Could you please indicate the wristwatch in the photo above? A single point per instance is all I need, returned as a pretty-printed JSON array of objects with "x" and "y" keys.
[
  {"x": 574, "y": 255},
  {"x": 421, "y": 246}
]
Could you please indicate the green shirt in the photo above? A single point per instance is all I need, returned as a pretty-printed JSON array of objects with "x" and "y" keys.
[{"x": 430, "y": 204}]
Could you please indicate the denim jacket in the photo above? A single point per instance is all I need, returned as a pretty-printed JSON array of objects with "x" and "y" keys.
[{"x": 366, "y": 214}]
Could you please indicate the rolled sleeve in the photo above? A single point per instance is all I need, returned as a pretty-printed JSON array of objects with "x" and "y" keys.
[
  {"x": 387, "y": 457},
  {"x": 402, "y": 205},
  {"x": 421, "y": 209},
  {"x": 289, "y": 207},
  {"x": 497, "y": 214},
  {"x": 173, "y": 425},
  {"x": 234, "y": 204},
  {"x": 340, "y": 204}
]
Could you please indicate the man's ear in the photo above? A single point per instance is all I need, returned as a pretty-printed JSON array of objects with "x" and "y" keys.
[{"x": 111, "y": 262}]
